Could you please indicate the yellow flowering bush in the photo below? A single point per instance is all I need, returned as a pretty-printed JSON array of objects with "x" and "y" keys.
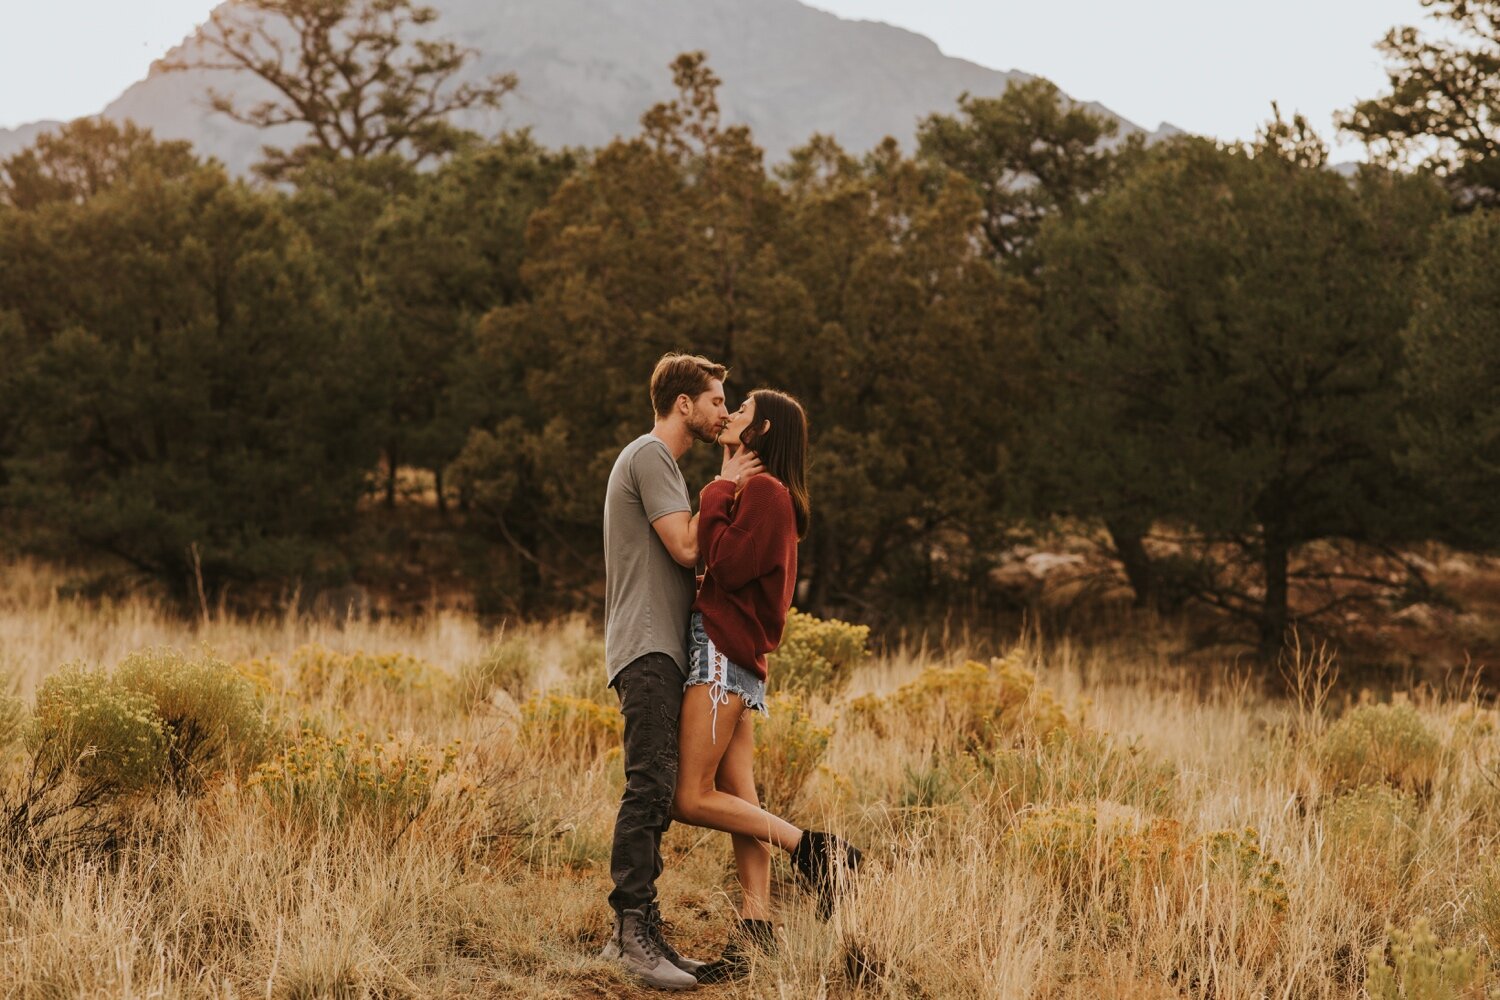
[
  {"x": 1375, "y": 743},
  {"x": 975, "y": 704},
  {"x": 318, "y": 670},
  {"x": 111, "y": 734},
  {"x": 263, "y": 673},
  {"x": 1101, "y": 847},
  {"x": 336, "y": 778},
  {"x": 1414, "y": 965},
  {"x": 1236, "y": 858},
  {"x": 817, "y": 655},
  {"x": 789, "y": 746},
  {"x": 211, "y": 713},
  {"x": 561, "y": 725}
]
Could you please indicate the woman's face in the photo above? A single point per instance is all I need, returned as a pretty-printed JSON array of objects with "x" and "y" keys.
[{"x": 739, "y": 421}]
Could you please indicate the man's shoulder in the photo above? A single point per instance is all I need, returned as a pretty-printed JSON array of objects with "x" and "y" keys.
[
  {"x": 625, "y": 460},
  {"x": 646, "y": 444}
]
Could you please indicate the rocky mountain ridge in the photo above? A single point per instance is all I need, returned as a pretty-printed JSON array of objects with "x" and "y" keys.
[{"x": 589, "y": 68}]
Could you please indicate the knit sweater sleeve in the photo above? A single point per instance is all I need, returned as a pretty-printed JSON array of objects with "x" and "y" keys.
[{"x": 739, "y": 542}]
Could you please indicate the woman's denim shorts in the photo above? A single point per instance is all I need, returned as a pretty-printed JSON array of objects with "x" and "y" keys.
[{"x": 706, "y": 665}]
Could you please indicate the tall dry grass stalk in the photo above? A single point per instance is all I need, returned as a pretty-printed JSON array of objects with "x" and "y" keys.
[{"x": 1162, "y": 840}]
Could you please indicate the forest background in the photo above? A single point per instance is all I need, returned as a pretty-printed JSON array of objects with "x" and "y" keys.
[{"x": 391, "y": 371}]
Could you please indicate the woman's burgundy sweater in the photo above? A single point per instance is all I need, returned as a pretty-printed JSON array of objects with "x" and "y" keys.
[{"x": 749, "y": 545}]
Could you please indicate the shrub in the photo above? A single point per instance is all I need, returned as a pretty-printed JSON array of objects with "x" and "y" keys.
[
  {"x": 12, "y": 720},
  {"x": 509, "y": 665},
  {"x": 1414, "y": 966},
  {"x": 816, "y": 655},
  {"x": 112, "y": 735},
  {"x": 1080, "y": 766},
  {"x": 1113, "y": 864},
  {"x": 1375, "y": 743},
  {"x": 320, "y": 670},
  {"x": 1100, "y": 848},
  {"x": 263, "y": 673},
  {"x": 974, "y": 704},
  {"x": 338, "y": 778},
  {"x": 1484, "y": 904},
  {"x": 211, "y": 713},
  {"x": 789, "y": 746},
  {"x": 562, "y": 725},
  {"x": 1236, "y": 858},
  {"x": 1372, "y": 822}
]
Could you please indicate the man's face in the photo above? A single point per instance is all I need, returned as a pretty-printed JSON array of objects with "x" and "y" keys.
[{"x": 707, "y": 414}]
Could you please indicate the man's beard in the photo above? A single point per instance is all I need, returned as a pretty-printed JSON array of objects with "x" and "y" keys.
[{"x": 706, "y": 431}]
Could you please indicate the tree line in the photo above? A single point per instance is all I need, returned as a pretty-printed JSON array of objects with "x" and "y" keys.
[{"x": 1214, "y": 356}]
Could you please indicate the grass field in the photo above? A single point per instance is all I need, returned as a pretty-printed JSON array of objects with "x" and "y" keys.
[{"x": 423, "y": 809}]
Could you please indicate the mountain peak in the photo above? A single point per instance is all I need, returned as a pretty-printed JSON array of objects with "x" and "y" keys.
[{"x": 588, "y": 69}]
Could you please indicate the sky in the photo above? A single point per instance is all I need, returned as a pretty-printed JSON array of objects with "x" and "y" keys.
[{"x": 1211, "y": 68}]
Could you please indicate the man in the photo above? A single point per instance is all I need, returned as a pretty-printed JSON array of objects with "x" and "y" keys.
[{"x": 650, "y": 552}]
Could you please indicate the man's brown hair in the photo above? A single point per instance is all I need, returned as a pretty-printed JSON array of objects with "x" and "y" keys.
[{"x": 679, "y": 374}]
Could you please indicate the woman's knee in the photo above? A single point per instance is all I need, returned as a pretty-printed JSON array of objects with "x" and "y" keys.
[{"x": 686, "y": 805}]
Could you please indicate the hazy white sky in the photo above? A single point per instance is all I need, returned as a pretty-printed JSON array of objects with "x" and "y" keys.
[{"x": 1209, "y": 67}]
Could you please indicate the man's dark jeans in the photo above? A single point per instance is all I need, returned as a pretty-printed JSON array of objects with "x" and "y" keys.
[{"x": 650, "y": 690}]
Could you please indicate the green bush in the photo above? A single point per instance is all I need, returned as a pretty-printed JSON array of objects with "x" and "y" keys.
[
  {"x": 1380, "y": 743},
  {"x": 12, "y": 719},
  {"x": 1372, "y": 822},
  {"x": 112, "y": 735},
  {"x": 211, "y": 712},
  {"x": 1415, "y": 966},
  {"x": 1079, "y": 766},
  {"x": 817, "y": 656}
]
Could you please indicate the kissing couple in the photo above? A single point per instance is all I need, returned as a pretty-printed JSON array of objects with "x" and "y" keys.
[{"x": 688, "y": 660}]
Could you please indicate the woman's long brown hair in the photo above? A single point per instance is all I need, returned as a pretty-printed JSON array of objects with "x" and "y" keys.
[{"x": 783, "y": 448}]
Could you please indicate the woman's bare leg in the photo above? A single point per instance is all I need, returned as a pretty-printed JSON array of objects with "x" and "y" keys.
[
  {"x": 699, "y": 755},
  {"x": 752, "y": 858}
]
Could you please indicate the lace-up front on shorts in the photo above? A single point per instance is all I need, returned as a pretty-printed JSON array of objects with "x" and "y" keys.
[{"x": 707, "y": 665}]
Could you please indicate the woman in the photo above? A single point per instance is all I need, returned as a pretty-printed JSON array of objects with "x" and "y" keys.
[{"x": 748, "y": 543}]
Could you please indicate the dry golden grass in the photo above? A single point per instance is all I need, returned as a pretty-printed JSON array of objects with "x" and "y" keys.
[{"x": 1155, "y": 843}]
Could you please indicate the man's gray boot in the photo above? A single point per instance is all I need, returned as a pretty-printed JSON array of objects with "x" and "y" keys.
[
  {"x": 638, "y": 951},
  {"x": 611, "y": 950}
]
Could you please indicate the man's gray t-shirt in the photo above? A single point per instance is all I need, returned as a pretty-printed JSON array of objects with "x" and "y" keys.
[{"x": 647, "y": 595}]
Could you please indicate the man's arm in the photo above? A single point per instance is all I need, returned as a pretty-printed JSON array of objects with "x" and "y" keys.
[{"x": 679, "y": 533}]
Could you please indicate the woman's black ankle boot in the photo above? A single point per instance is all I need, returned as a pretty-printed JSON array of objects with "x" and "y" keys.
[{"x": 826, "y": 864}]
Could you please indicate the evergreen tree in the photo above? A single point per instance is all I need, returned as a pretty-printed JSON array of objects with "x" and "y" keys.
[
  {"x": 1443, "y": 109},
  {"x": 1222, "y": 334},
  {"x": 84, "y": 157},
  {"x": 439, "y": 258},
  {"x": 1029, "y": 153},
  {"x": 1452, "y": 415},
  {"x": 914, "y": 361},
  {"x": 191, "y": 404}
]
